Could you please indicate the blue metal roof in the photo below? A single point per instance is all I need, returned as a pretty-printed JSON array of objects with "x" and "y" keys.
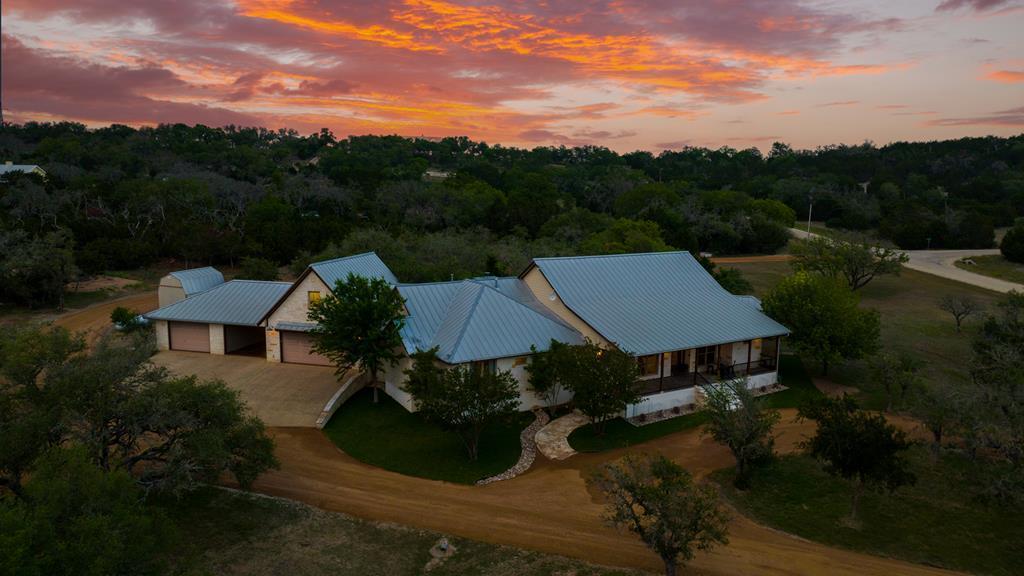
[
  {"x": 655, "y": 302},
  {"x": 478, "y": 320},
  {"x": 238, "y": 302},
  {"x": 368, "y": 265},
  {"x": 198, "y": 279}
]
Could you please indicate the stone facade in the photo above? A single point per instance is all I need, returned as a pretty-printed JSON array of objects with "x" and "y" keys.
[{"x": 273, "y": 345}]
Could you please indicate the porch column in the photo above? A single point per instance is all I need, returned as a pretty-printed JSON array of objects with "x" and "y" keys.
[{"x": 750, "y": 348}]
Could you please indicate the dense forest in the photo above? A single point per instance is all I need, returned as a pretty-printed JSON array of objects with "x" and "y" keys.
[{"x": 120, "y": 198}]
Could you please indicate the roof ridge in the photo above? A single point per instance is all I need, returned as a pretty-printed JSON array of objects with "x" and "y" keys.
[
  {"x": 340, "y": 258},
  {"x": 544, "y": 316},
  {"x": 588, "y": 256},
  {"x": 469, "y": 316},
  {"x": 260, "y": 281}
]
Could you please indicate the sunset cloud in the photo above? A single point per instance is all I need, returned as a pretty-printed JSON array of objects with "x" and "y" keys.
[{"x": 516, "y": 71}]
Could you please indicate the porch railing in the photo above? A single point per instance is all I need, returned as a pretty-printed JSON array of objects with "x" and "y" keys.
[{"x": 709, "y": 375}]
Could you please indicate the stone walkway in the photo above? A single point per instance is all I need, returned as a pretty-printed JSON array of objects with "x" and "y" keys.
[
  {"x": 529, "y": 451},
  {"x": 553, "y": 439}
]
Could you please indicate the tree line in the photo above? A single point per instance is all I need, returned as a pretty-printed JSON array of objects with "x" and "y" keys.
[{"x": 120, "y": 198}]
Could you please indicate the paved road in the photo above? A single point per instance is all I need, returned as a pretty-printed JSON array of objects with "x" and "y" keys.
[
  {"x": 942, "y": 263},
  {"x": 550, "y": 509}
]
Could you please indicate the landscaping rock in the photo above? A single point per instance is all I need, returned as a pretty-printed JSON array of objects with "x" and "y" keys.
[{"x": 529, "y": 450}]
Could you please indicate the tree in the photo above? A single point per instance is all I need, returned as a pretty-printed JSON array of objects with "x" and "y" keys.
[
  {"x": 857, "y": 260},
  {"x": 959, "y": 306},
  {"x": 258, "y": 269},
  {"x": 543, "y": 369},
  {"x": 859, "y": 447},
  {"x": 462, "y": 399},
  {"x": 74, "y": 518},
  {"x": 824, "y": 317},
  {"x": 626, "y": 236},
  {"x": 1012, "y": 245},
  {"x": 35, "y": 270},
  {"x": 169, "y": 433},
  {"x": 729, "y": 278},
  {"x": 895, "y": 374},
  {"x": 742, "y": 423},
  {"x": 997, "y": 371},
  {"x": 603, "y": 381},
  {"x": 657, "y": 500},
  {"x": 360, "y": 322},
  {"x": 940, "y": 407}
]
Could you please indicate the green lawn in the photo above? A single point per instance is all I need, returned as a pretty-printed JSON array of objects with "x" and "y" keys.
[
  {"x": 936, "y": 522},
  {"x": 223, "y": 532},
  {"x": 388, "y": 436},
  {"x": 619, "y": 434},
  {"x": 911, "y": 322},
  {"x": 995, "y": 266}
]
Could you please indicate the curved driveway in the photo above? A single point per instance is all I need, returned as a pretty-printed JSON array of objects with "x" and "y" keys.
[
  {"x": 943, "y": 263},
  {"x": 550, "y": 509}
]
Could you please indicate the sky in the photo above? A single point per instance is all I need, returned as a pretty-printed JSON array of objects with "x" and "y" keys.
[{"x": 626, "y": 74}]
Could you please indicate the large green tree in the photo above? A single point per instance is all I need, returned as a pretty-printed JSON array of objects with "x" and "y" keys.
[
  {"x": 856, "y": 260},
  {"x": 857, "y": 446},
  {"x": 360, "y": 323},
  {"x": 825, "y": 318},
  {"x": 658, "y": 500},
  {"x": 603, "y": 380},
  {"x": 464, "y": 399},
  {"x": 740, "y": 421}
]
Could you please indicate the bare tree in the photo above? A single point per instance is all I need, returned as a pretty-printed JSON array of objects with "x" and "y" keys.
[{"x": 960, "y": 307}]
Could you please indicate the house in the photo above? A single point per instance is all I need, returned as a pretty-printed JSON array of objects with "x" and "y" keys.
[
  {"x": 9, "y": 167},
  {"x": 685, "y": 330}
]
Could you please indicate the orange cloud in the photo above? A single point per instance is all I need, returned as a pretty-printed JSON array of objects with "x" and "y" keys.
[{"x": 1006, "y": 76}]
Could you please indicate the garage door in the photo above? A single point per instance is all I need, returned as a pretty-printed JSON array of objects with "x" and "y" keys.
[
  {"x": 189, "y": 336},
  {"x": 295, "y": 348}
]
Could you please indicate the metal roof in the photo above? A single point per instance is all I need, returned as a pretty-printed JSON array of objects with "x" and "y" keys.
[
  {"x": 237, "y": 302},
  {"x": 198, "y": 279},
  {"x": 368, "y": 265},
  {"x": 295, "y": 326},
  {"x": 478, "y": 320},
  {"x": 654, "y": 302},
  {"x": 26, "y": 168}
]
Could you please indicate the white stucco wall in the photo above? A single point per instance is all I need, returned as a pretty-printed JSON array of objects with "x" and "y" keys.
[
  {"x": 663, "y": 401},
  {"x": 295, "y": 308},
  {"x": 163, "y": 337},
  {"x": 393, "y": 378},
  {"x": 217, "y": 339}
]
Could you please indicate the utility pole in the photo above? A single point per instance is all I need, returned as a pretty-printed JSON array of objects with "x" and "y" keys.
[{"x": 810, "y": 209}]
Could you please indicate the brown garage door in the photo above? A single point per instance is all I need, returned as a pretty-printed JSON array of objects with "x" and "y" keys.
[
  {"x": 189, "y": 336},
  {"x": 296, "y": 347}
]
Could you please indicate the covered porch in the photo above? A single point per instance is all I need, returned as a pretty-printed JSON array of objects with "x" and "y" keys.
[{"x": 682, "y": 369}]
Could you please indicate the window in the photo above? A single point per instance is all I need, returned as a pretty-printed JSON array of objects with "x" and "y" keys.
[
  {"x": 648, "y": 364},
  {"x": 486, "y": 366},
  {"x": 707, "y": 356},
  {"x": 313, "y": 296}
]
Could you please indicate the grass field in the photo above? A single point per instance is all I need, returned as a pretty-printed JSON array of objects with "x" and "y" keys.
[
  {"x": 390, "y": 437},
  {"x": 937, "y": 522},
  {"x": 995, "y": 266},
  {"x": 619, "y": 434},
  {"x": 911, "y": 322},
  {"x": 224, "y": 532}
]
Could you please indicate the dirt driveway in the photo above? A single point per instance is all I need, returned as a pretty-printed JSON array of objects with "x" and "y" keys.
[
  {"x": 549, "y": 508},
  {"x": 95, "y": 320},
  {"x": 280, "y": 394}
]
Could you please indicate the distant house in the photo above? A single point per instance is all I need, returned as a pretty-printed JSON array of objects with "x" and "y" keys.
[
  {"x": 9, "y": 167},
  {"x": 685, "y": 330},
  {"x": 434, "y": 175}
]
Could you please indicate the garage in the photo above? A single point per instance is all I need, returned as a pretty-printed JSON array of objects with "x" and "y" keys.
[
  {"x": 245, "y": 340},
  {"x": 296, "y": 348},
  {"x": 189, "y": 336}
]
